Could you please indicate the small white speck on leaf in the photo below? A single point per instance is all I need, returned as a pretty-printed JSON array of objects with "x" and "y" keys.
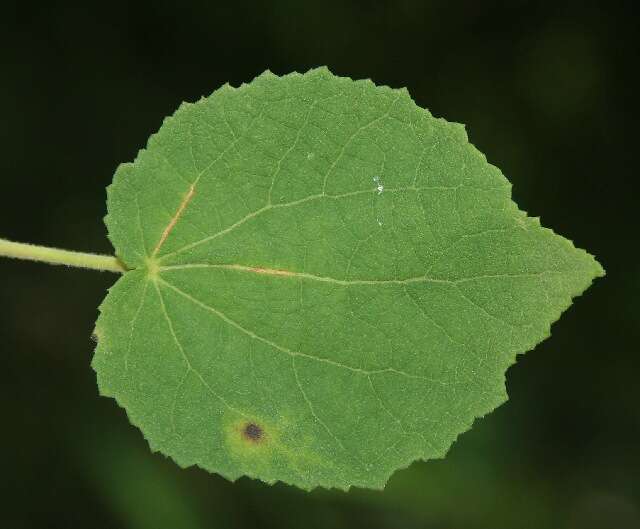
[
  {"x": 310, "y": 156},
  {"x": 379, "y": 186}
]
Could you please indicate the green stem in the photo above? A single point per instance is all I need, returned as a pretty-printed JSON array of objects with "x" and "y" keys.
[{"x": 54, "y": 256}]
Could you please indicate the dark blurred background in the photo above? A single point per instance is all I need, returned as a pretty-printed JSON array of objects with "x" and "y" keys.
[{"x": 547, "y": 92}]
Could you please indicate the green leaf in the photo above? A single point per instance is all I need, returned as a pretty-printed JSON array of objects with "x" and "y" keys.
[{"x": 327, "y": 283}]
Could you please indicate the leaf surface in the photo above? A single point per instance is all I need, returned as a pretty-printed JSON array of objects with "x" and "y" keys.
[{"x": 327, "y": 283}]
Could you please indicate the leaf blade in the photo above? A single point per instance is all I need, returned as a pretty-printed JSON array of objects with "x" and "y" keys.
[{"x": 307, "y": 245}]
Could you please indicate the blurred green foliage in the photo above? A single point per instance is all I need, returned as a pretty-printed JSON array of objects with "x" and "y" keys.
[{"x": 547, "y": 92}]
